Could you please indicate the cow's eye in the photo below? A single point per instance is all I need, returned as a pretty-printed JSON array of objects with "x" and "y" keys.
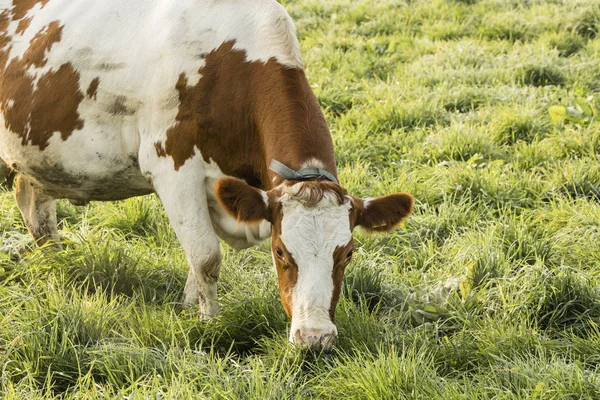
[
  {"x": 279, "y": 253},
  {"x": 349, "y": 256}
]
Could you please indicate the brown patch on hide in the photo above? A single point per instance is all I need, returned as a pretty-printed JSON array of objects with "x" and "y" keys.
[
  {"x": 22, "y": 7},
  {"x": 4, "y": 38},
  {"x": 285, "y": 265},
  {"x": 23, "y": 25},
  {"x": 42, "y": 43},
  {"x": 341, "y": 258},
  {"x": 242, "y": 114},
  {"x": 92, "y": 90},
  {"x": 36, "y": 113}
]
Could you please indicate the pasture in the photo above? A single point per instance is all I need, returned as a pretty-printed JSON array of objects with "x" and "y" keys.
[{"x": 491, "y": 289}]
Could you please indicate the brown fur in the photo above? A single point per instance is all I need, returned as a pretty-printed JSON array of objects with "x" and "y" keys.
[
  {"x": 92, "y": 90},
  {"x": 241, "y": 201},
  {"x": 52, "y": 106},
  {"x": 41, "y": 44},
  {"x": 4, "y": 38},
  {"x": 22, "y": 7},
  {"x": 287, "y": 269},
  {"x": 243, "y": 114},
  {"x": 23, "y": 25},
  {"x": 246, "y": 204},
  {"x": 340, "y": 262}
]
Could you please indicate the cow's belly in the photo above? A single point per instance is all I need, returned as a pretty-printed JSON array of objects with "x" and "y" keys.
[{"x": 91, "y": 165}]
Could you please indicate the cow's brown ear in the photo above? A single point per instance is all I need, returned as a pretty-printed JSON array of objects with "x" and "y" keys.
[
  {"x": 242, "y": 201},
  {"x": 382, "y": 214}
]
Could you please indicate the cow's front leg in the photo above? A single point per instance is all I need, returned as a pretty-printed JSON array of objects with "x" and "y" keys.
[{"x": 183, "y": 195}]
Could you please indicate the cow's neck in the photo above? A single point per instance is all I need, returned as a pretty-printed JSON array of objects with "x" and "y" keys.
[
  {"x": 253, "y": 112},
  {"x": 292, "y": 126}
]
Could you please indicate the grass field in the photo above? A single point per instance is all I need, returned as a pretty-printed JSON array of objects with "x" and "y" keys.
[{"x": 490, "y": 290}]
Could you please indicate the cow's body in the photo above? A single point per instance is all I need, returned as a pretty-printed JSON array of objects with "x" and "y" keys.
[
  {"x": 105, "y": 100},
  {"x": 127, "y": 58}
]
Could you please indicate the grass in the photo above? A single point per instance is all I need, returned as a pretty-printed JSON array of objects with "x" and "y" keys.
[{"x": 490, "y": 290}]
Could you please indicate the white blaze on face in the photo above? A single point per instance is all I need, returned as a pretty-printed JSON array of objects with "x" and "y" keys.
[{"x": 311, "y": 236}]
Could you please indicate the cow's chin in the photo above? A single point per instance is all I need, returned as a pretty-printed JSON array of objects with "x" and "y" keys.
[{"x": 323, "y": 337}]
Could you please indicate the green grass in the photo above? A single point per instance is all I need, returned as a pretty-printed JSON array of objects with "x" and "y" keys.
[{"x": 490, "y": 290}]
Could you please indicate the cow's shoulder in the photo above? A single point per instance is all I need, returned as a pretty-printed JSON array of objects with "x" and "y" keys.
[{"x": 268, "y": 32}]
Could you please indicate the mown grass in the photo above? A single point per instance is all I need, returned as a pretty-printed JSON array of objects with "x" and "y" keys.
[{"x": 490, "y": 290}]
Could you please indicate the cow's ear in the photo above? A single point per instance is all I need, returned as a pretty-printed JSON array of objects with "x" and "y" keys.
[
  {"x": 242, "y": 201},
  {"x": 382, "y": 214}
]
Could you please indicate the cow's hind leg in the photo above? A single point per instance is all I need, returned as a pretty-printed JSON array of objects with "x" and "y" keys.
[
  {"x": 183, "y": 195},
  {"x": 38, "y": 211}
]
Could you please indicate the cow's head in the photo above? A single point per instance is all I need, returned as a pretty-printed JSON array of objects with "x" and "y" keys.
[{"x": 312, "y": 224}]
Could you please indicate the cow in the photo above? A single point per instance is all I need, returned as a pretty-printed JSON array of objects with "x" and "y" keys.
[{"x": 203, "y": 102}]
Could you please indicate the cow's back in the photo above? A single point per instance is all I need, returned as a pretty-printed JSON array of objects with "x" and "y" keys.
[{"x": 84, "y": 84}]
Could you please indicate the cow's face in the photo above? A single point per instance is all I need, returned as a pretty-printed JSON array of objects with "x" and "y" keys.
[{"x": 311, "y": 244}]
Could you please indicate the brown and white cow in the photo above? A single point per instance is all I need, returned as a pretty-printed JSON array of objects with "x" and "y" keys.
[{"x": 192, "y": 100}]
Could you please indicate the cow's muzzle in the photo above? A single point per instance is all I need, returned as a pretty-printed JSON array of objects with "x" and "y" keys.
[{"x": 318, "y": 339}]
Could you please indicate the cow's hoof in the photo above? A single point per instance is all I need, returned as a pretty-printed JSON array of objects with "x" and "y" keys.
[{"x": 209, "y": 311}]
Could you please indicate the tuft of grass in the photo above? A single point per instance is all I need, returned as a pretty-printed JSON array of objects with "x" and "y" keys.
[
  {"x": 567, "y": 301},
  {"x": 513, "y": 124},
  {"x": 506, "y": 26},
  {"x": 387, "y": 375},
  {"x": 586, "y": 23},
  {"x": 578, "y": 179},
  {"x": 364, "y": 284},
  {"x": 566, "y": 43},
  {"x": 540, "y": 75},
  {"x": 100, "y": 263}
]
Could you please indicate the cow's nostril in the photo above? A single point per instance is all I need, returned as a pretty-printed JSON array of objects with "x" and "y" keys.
[
  {"x": 312, "y": 340},
  {"x": 315, "y": 338},
  {"x": 328, "y": 341}
]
